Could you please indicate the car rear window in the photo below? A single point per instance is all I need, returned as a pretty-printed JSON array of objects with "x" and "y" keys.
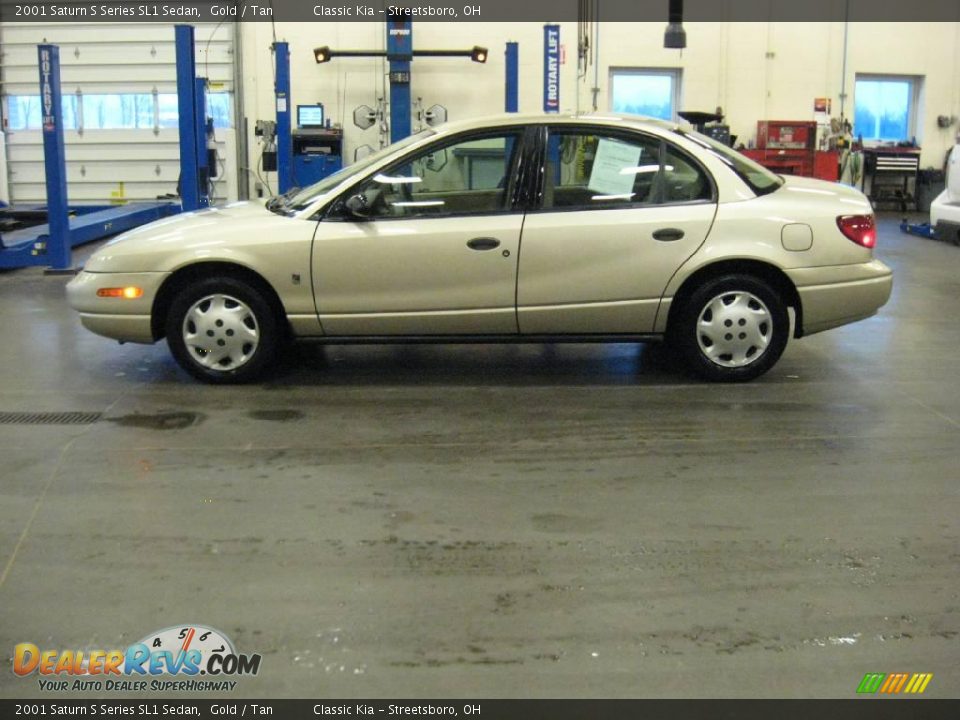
[{"x": 756, "y": 176}]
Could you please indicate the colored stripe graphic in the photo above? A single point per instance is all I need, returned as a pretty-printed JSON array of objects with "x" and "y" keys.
[
  {"x": 894, "y": 683},
  {"x": 891, "y": 679},
  {"x": 871, "y": 682},
  {"x": 919, "y": 681}
]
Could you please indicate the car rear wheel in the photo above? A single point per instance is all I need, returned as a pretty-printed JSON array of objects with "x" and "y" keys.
[
  {"x": 732, "y": 329},
  {"x": 222, "y": 330}
]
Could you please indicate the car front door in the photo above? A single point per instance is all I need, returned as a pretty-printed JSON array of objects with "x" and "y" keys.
[
  {"x": 620, "y": 212},
  {"x": 427, "y": 245}
]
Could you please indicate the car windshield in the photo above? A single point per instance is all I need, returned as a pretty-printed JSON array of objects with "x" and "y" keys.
[
  {"x": 760, "y": 180},
  {"x": 304, "y": 197}
]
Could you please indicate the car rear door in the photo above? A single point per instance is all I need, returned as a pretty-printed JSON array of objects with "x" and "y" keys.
[{"x": 618, "y": 213}]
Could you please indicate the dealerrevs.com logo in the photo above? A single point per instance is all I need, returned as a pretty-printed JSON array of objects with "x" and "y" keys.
[{"x": 200, "y": 658}]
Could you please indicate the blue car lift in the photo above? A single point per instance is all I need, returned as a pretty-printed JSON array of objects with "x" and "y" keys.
[
  {"x": 925, "y": 230},
  {"x": 511, "y": 95},
  {"x": 281, "y": 89},
  {"x": 195, "y": 169},
  {"x": 68, "y": 226},
  {"x": 400, "y": 53}
]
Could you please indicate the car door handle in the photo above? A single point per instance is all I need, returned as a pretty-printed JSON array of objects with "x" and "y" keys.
[
  {"x": 483, "y": 243},
  {"x": 667, "y": 234}
]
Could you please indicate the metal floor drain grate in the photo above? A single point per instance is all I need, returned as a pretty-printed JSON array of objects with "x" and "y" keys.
[{"x": 49, "y": 418}]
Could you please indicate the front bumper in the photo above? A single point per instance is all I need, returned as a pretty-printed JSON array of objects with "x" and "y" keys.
[
  {"x": 117, "y": 318},
  {"x": 834, "y": 296}
]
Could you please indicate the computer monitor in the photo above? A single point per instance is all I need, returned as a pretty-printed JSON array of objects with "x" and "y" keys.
[{"x": 310, "y": 116}]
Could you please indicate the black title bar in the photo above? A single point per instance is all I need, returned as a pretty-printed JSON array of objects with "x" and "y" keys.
[
  {"x": 858, "y": 709},
  {"x": 475, "y": 10}
]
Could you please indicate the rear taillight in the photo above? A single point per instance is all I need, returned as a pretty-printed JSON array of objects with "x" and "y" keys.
[{"x": 859, "y": 228}]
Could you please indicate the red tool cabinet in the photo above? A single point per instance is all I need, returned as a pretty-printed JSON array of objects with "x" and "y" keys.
[{"x": 788, "y": 147}]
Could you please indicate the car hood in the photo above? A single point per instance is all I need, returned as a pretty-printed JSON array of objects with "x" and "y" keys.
[{"x": 163, "y": 245}]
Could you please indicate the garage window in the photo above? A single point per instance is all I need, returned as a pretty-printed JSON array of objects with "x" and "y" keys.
[
  {"x": 219, "y": 107},
  {"x": 23, "y": 112},
  {"x": 115, "y": 111},
  {"x": 653, "y": 92},
  {"x": 885, "y": 107}
]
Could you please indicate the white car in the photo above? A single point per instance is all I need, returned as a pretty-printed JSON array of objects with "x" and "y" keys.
[{"x": 513, "y": 228}]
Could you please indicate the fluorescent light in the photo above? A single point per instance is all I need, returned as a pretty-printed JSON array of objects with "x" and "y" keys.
[
  {"x": 396, "y": 179},
  {"x": 418, "y": 203},
  {"x": 644, "y": 169},
  {"x": 624, "y": 196}
]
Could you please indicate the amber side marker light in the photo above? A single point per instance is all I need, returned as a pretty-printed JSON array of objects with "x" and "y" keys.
[{"x": 127, "y": 293}]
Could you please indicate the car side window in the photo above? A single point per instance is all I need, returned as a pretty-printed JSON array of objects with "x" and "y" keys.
[
  {"x": 588, "y": 171},
  {"x": 683, "y": 180},
  {"x": 463, "y": 177}
]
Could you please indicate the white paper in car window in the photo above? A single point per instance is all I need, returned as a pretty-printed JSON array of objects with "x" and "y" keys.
[{"x": 607, "y": 176}]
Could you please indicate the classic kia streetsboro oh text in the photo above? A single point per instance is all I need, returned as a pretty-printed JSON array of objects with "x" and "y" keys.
[{"x": 514, "y": 228}]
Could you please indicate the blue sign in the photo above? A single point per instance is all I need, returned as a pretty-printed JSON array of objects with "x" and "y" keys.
[{"x": 551, "y": 68}]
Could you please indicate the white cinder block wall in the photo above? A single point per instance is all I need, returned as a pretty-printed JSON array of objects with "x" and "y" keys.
[{"x": 754, "y": 71}]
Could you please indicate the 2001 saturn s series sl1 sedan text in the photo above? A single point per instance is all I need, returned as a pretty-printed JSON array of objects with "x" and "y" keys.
[{"x": 514, "y": 228}]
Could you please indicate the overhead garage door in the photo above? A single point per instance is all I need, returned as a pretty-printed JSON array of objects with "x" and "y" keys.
[{"x": 120, "y": 108}]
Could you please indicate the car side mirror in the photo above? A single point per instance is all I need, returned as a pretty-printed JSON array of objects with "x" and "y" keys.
[{"x": 357, "y": 208}]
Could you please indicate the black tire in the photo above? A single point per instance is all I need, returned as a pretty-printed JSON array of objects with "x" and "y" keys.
[
  {"x": 237, "y": 312},
  {"x": 755, "y": 336}
]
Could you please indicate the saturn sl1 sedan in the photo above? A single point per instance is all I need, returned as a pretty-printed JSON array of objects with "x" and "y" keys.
[{"x": 509, "y": 229}]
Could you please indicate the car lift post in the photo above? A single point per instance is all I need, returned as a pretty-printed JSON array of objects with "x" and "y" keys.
[
  {"x": 281, "y": 54},
  {"x": 400, "y": 53},
  {"x": 191, "y": 107},
  {"x": 54, "y": 159},
  {"x": 203, "y": 158},
  {"x": 512, "y": 80}
]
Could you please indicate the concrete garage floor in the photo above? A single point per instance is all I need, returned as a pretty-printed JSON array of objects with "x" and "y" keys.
[{"x": 522, "y": 521}]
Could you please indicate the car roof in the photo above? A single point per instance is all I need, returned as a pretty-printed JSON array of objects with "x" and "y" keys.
[{"x": 612, "y": 119}]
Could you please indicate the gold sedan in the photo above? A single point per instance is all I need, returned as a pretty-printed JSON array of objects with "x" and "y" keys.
[{"x": 509, "y": 229}]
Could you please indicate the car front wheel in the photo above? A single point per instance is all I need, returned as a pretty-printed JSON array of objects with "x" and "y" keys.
[
  {"x": 222, "y": 330},
  {"x": 732, "y": 329}
]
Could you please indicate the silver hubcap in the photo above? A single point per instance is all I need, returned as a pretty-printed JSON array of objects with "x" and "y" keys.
[
  {"x": 220, "y": 332},
  {"x": 734, "y": 329}
]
